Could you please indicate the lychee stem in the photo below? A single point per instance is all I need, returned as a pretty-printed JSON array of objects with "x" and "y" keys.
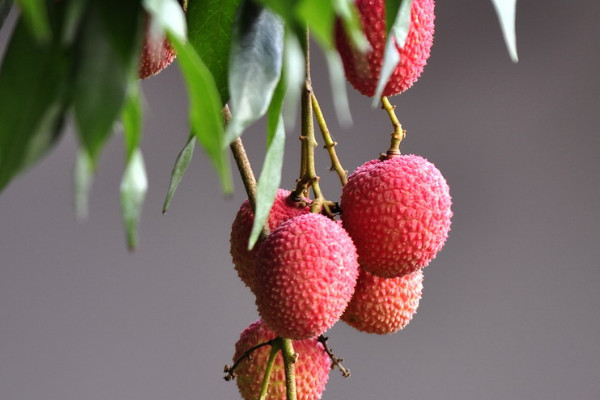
[
  {"x": 329, "y": 143},
  {"x": 289, "y": 359},
  {"x": 398, "y": 133},
  {"x": 265, "y": 384},
  {"x": 335, "y": 361},
  {"x": 230, "y": 370}
]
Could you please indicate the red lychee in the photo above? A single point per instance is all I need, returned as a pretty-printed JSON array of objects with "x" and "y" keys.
[
  {"x": 362, "y": 70},
  {"x": 307, "y": 271},
  {"x": 398, "y": 214},
  {"x": 312, "y": 366},
  {"x": 244, "y": 260},
  {"x": 156, "y": 55},
  {"x": 384, "y": 305}
]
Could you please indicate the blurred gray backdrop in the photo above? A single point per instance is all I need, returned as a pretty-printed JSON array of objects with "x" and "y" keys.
[{"x": 510, "y": 307}]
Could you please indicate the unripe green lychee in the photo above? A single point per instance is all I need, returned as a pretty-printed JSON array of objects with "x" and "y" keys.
[
  {"x": 307, "y": 271},
  {"x": 312, "y": 366},
  {"x": 398, "y": 214},
  {"x": 362, "y": 70},
  {"x": 384, "y": 305},
  {"x": 244, "y": 260}
]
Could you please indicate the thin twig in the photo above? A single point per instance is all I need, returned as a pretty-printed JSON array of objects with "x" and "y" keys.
[
  {"x": 398, "y": 133},
  {"x": 335, "y": 361},
  {"x": 230, "y": 370},
  {"x": 329, "y": 143}
]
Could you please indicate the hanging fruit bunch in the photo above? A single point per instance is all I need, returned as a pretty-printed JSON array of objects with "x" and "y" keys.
[{"x": 309, "y": 260}]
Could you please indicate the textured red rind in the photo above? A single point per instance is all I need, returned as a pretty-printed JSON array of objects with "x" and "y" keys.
[
  {"x": 243, "y": 259},
  {"x": 312, "y": 366},
  {"x": 362, "y": 70},
  {"x": 306, "y": 276},
  {"x": 398, "y": 213},
  {"x": 384, "y": 305}
]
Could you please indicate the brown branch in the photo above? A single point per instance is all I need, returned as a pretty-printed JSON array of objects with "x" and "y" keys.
[
  {"x": 230, "y": 370},
  {"x": 335, "y": 361}
]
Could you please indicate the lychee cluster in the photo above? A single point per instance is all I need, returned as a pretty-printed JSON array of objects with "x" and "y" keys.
[{"x": 363, "y": 69}]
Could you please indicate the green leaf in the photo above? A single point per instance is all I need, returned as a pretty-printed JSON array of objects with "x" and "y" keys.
[
  {"x": 320, "y": 17},
  {"x": 210, "y": 25},
  {"x": 33, "y": 87},
  {"x": 168, "y": 15},
  {"x": 294, "y": 70},
  {"x": 338, "y": 87},
  {"x": 254, "y": 65},
  {"x": 106, "y": 63},
  {"x": 133, "y": 192},
  {"x": 83, "y": 177},
  {"x": 181, "y": 164},
  {"x": 205, "y": 109},
  {"x": 348, "y": 13},
  {"x": 35, "y": 14},
  {"x": 391, "y": 57},
  {"x": 5, "y": 6},
  {"x": 391, "y": 11},
  {"x": 506, "y": 10},
  {"x": 270, "y": 175},
  {"x": 131, "y": 115}
]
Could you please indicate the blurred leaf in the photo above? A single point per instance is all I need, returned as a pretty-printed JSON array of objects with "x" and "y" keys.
[
  {"x": 320, "y": 16},
  {"x": 181, "y": 164},
  {"x": 131, "y": 115},
  {"x": 5, "y": 6},
  {"x": 348, "y": 13},
  {"x": 133, "y": 192},
  {"x": 210, "y": 24},
  {"x": 391, "y": 11},
  {"x": 35, "y": 14},
  {"x": 169, "y": 15},
  {"x": 205, "y": 109},
  {"x": 270, "y": 175},
  {"x": 254, "y": 65},
  {"x": 103, "y": 72},
  {"x": 338, "y": 88},
  {"x": 391, "y": 56},
  {"x": 83, "y": 177},
  {"x": 294, "y": 70},
  {"x": 506, "y": 10},
  {"x": 33, "y": 87}
]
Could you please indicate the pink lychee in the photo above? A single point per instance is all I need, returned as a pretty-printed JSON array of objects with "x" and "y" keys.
[
  {"x": 244, "y": 260},
  {"x": 312, "y": 366},
  {"x": 398, "y": 214},
  {"x": 307, "y": 271},
  {"x": 384, "y": 305},
  {"x": 362, "y": 70}
]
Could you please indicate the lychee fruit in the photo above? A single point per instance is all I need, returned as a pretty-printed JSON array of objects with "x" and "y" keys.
[
  {"x": 363, "y": 69},
  {"x": 156, "y": 54},
  {"x": 384, "y": 305},
  {"x": 312, "y": 366},
  {"x": 398, "y": 213},
  {"x": 244, "y": 260},
  {"x": 307, "y": 271}
]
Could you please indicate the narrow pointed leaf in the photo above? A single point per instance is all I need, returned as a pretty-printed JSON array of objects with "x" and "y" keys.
[
  {"x": 210, "y": 24},
  {"x": 293, "y": 67},
  {"x": 83, "y": 177},
  {"x": 35, "y": 13},
  {"x": 506, "y": 10},
  {"x": 131, "y": 115},
  {"x": 133, "y": 192},
  {"x": 181, "y": 164},
  {"x": 338, "y": 88},
  {"x": 254, "y": 65},
  {"x": 270, "y": 175},
  {"x": 103, "y": 74},
  {"x": 348, "y": 13},
  {"x": 5, "y": 6},
  {"x": 33, "y": 86},
  {"x": 205, "y": 109},
  {"x": 391, "y": 11},
  {"x": 397, "y": 34}
]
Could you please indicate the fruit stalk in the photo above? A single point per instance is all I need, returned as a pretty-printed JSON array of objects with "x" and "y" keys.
[
  {"x": 289, "y": 359},
  {"x": 265, "y": 383},
  {"x": 398, "y": 133},
  {"x": 329, "y": 143}
]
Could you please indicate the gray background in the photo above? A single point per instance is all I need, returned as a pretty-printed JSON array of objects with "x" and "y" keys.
[{"x": 510, "y": 307}]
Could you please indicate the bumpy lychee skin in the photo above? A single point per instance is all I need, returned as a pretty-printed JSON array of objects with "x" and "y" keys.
[
  {"x": 244, "y": 260},
  {"x": 398, "y": 214},
  {"x": 307, "y": 271},
  {"x": 312, "y": 366},
  {"x": 362, "y": 70},
  {"x": 384, "y": 305}
]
